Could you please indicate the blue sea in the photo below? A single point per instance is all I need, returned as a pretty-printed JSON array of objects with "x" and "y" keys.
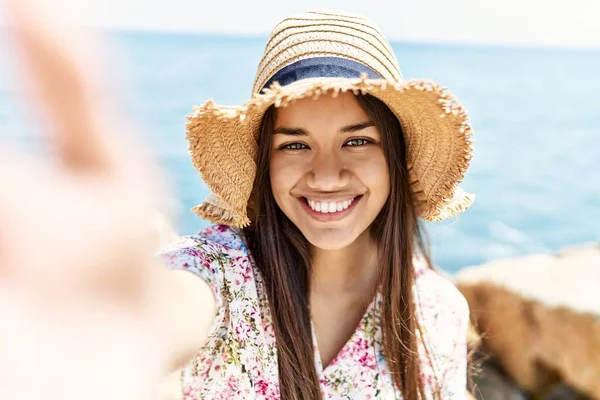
[{"x": 535, "y": 112}]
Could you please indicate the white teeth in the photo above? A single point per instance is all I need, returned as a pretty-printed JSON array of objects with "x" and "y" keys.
[{"x": 329, "y": 207}]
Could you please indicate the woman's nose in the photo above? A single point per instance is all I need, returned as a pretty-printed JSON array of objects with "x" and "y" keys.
[{"x": 327, "y": 173}]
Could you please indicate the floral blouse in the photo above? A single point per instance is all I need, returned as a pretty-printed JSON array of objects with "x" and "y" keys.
[{"x": 239, "y": 358}]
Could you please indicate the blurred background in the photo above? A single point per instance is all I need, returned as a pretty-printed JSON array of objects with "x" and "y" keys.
[{"x": 527, "y": 71}]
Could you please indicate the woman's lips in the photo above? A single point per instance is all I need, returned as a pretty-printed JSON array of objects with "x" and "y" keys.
[{"x": 330, "y": 216}]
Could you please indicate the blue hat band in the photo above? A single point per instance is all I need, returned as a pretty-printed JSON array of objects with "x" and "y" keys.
[{"x": 320, "y": 67}]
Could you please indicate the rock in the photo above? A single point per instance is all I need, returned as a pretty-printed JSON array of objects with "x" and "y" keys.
[
  {"x": 493, "y": 384},
  {"x": 563, "y": 392},
  {"x": 539, "y": 318}
]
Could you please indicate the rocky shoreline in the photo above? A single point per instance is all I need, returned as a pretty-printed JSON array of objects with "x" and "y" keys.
[{"x": 539, "y": 322}]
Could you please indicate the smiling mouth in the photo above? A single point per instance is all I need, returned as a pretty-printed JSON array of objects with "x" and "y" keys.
[
  {"x": 326, "y": 211},
  {"x": 329, "y": 207}
]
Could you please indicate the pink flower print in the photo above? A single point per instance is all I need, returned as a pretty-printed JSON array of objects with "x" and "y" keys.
[
  {"x": 364, "y": 359},
  {"x": 232, "y": 384},
  {"x": 261, "y": 387},
  {"x": 194, "y": 252},
  {"x": 246, "y": 268},
  {"x": 243, "y": 331}
]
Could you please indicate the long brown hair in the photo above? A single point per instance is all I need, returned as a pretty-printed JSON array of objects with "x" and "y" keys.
[{"x": 283, "y": 257}]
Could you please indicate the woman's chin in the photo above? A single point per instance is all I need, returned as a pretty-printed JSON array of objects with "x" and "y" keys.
[{"x": 330, "y": 239}]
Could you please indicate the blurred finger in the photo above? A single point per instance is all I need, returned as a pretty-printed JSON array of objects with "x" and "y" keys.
[
  {"x": 61, "y": 71},
  {"x": 68, "y": 241}
]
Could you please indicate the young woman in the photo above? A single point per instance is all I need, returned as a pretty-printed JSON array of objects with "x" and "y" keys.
[
  {"x": 322, "y": 281},
  {"x": 314, "y": 281}
]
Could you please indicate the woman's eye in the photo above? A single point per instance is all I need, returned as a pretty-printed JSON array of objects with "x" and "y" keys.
[
  {"x": 357, "y": 142},
  {"x": 293, "y": 146}
]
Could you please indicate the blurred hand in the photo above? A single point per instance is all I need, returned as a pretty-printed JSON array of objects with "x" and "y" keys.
[{"x": 76, "y": 317}]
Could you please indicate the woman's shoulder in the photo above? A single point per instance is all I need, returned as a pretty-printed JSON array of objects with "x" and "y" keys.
[
  {"x": 217, "y": 254},
  {"x": 443, "y": 313},
  {"x": 223, "y": 236},
  {"x": 439, "y": 299},
  {"x": 220, "y": 238},
  {"x": 214, "y": 248}
]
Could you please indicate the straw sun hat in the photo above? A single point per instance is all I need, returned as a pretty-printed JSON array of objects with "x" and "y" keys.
[{"x": 323, "y": 52}]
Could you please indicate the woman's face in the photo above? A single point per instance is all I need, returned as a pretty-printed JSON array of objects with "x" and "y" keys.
[{"x": 328, "y": 171}]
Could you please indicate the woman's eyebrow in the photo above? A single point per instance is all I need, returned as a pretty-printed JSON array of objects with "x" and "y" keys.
[
  {"x": 357, "y": 127},
  {"x": 301, "y": 132},
  {"x": 290, "y": 131}
]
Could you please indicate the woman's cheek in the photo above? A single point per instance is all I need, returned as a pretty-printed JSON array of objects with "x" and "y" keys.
[
  {"x": 372, "y": 170},
  {"x": 284, "y": 171}
]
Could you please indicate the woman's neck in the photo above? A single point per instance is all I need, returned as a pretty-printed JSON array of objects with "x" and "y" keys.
[{"x": 351, "y": 269}]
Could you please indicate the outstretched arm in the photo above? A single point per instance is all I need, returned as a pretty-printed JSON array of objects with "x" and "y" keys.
[{"x": 86, "y": 310}]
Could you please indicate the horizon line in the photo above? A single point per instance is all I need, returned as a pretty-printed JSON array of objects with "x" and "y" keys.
[{"x": 498, "y": 45}]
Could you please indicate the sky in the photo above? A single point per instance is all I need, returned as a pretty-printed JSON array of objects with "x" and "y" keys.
[{"x": 573, "y": 23}]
